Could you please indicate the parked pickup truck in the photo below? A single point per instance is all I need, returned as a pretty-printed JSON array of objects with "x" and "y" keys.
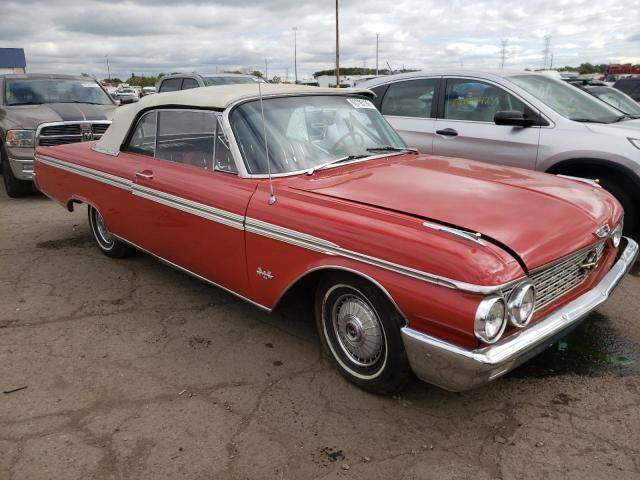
[{"x": 40, "y": 109}]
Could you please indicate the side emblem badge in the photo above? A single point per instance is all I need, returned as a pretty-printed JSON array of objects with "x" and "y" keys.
[{"x": 266, "y": 274}]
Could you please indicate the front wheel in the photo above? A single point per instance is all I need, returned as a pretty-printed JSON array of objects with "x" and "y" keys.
[
  {"x": 360, "y": 330},
  {"x": 106, "y": 241}
]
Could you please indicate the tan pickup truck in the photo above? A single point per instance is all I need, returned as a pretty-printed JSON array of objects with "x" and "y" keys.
[{"x": 42, "y": 109}]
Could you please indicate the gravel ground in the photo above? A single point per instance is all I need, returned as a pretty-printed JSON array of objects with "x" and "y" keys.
[{"x": 136, "y": 371}]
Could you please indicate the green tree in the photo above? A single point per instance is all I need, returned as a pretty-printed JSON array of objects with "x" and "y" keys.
[{"x": 257, "y": 73}]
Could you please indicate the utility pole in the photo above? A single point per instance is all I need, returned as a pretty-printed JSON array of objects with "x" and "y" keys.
[
  {"x": 547, "y": 50},
  {"x": 108, "y": 68},
  {"x": 503, "y": 52},
  {"x": 266, "y": 69},
  {"x": 337, "y": 49},
  {"x": 377, "y": 50},
  {"x": 295, "y": 52}
]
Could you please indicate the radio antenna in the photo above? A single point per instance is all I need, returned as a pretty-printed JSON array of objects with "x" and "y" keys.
[{"x": 272, "y": 197}]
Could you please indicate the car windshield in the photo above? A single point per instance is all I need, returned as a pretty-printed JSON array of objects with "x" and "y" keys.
[
  {"x": 567, "y": 100},
  {"x": 36, "y": 91},
  {"x": 617, "y": 99},
  {"x": 230, "y": 80},
  {"x": 306, "y": 132}
]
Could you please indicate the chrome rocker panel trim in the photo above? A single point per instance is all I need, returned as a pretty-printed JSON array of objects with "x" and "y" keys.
[{"x": 457, "y": 369}]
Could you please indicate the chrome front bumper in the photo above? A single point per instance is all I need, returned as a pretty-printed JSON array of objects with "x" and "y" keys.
[{"x": 454, "y": 368}]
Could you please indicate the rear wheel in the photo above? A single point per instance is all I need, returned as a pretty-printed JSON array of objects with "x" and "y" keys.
[
  {"x": 106, "y": 241},
  {"x": 360, "y": 330},
  {"x": 15, "y": 188}
]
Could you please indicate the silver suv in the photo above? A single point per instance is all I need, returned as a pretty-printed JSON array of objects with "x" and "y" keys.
[
  {"x": 517, "y": 118},
  {"x": 185, "y": 81}
]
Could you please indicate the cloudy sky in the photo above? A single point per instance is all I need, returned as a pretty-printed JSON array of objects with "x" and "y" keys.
[{"x": 152, "y": 36}]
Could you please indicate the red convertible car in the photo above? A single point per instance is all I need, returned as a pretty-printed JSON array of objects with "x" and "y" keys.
[{"x": 455, "y": 270}]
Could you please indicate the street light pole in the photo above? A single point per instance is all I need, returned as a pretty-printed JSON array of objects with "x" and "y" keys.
[
  {"x": 377, "y": 42},
  {"x": 266, "y": 69},
  {"x": 295, "y": 52},
  {"x": 337, "y": 49},
  {"x": 108, "y": 69}
]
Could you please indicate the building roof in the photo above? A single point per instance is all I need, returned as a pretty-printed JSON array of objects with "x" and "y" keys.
[
  {"x": 12, "y": 58},
  {"x": 217, "y": 98}
]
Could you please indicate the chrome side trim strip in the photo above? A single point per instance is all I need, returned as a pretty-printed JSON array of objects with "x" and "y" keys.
[
  {"x": 189, "y": 206},
  {"x": 588, "y": 181},
  {"x": 85, "y": 172},
  {"x": 475, "y": 238},
  {"x": 260, "y": 227},
  {"x": 290, "y": 236},
  {"x": 193, "y": 274}
]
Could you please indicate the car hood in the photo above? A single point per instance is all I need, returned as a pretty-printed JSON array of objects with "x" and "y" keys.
[
  {"x": 627, "y": 128},
  {"x": 30, "y": 116},
  {"x": 534, "y": 216}
]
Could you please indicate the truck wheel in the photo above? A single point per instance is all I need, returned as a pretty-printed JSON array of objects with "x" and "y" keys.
[
  {"x": 630, "y": 205},
  {"x": 15, "y": 188},
  {"x": 360, "y": 331},
  {"x": 106, "y": 241}
]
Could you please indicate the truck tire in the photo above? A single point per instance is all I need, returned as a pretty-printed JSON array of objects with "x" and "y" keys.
[
  {"x": 630, "y": 205},
  {"x": 15, "y": 188}
]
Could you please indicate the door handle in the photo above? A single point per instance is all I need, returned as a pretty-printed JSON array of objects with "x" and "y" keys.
[
  {"x": 448, "y": 132},
  {"x": 146, "y": 174}
]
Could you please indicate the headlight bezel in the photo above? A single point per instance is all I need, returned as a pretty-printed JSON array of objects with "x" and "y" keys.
[
  {"x": 515, "y": 302},
  {"x": 482, "y": 313},
  {"x": 616, "y": 234},
  {"x": 20, "y": 138}
]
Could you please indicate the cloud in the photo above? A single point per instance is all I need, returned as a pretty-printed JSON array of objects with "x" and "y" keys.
[{"x": 152, "y": 36}]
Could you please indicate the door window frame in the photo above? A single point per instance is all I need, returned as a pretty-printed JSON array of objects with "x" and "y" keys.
[
  {"x": 155, "y": 111},
  {"x": 434, "y": 103},
  {"x": 544, "y": 120}
]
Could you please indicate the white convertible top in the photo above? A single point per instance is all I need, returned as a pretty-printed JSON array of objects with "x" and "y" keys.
[{"x": 216, "y": 97}]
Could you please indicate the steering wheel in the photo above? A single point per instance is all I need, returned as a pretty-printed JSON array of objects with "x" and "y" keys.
[{"x": 357, "y": 138}]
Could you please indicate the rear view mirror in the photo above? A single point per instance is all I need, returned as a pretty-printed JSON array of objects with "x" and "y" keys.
[{"x": 513, "y": 118}]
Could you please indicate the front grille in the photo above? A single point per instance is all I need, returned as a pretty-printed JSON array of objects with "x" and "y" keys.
[
  {"x": 61, "y": 134},
  {"x": 556, "y": 280},
  {"x": 99, "y": 128}
]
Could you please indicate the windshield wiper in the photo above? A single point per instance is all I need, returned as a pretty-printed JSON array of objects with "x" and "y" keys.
[
  {"x": 388, "y": 148},
  {"x": 79, "y": 101},
  {"x": 626, "y": 116},
  {"x": 23, "y": 103},
  {"x": 587, "y": 120},
  {"x": 312, "y": 170}
]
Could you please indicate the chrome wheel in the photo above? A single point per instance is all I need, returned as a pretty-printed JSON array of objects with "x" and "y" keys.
[
  {"x": 101, "y": 233},
  {"x": 357, "y": 329}
]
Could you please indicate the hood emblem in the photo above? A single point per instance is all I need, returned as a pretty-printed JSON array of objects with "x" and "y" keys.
[
  {"x": 87, "y": 133},
  {"x": 591, "y": 261},
  {"x": 603, "y": 231}
]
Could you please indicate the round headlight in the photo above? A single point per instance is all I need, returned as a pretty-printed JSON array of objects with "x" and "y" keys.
[
  {"x": 490, "y": 319},
  {"x": 521, "y": 304},
  {"x": 616, "y": 235}
]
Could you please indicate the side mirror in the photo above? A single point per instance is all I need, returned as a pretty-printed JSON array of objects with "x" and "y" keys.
[{"x": 512, "y": 118}]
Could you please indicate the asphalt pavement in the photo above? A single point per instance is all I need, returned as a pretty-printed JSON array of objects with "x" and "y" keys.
[{"x": 128, "y": 369}]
